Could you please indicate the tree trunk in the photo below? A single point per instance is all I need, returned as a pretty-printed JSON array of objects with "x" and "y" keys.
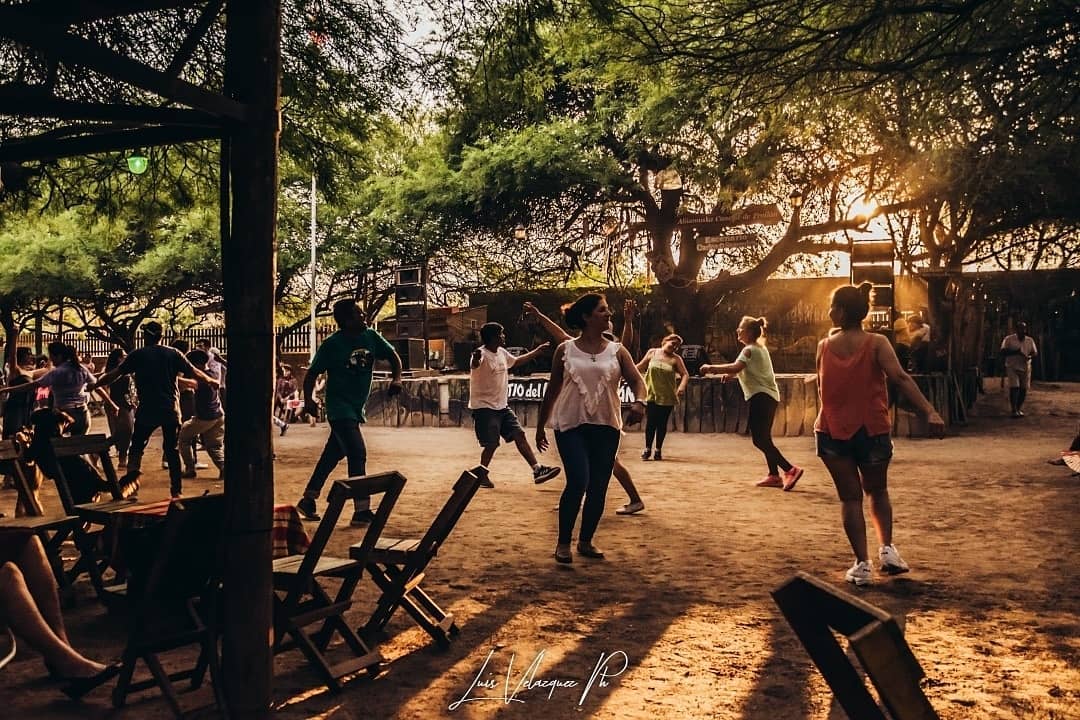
[
  {"x": 11, "y": 335},
  {"x": 684, "y": 313}
]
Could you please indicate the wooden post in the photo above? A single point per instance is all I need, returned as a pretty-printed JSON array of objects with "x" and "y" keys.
[{"x": 253, "y": 77}]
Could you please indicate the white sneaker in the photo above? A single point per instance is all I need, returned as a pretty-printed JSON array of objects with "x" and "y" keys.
[
  {"x": 859, "y": 573},
  {"x": 890, "y": 561},
  {"x": 631, "y": 508},
  {"x": 201, "y": 466}
]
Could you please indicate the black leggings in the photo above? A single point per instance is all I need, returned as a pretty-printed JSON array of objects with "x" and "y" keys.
[
  {"x": 762, "y": 412},
  {"x": 656, "y": 420}
]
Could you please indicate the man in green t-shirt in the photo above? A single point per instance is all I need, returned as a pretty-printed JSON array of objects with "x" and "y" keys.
[{"x": 347, "y": 357}]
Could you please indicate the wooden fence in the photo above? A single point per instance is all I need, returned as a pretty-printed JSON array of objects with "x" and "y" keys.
[
  {"x": 295, "y": 342},
  {"x": 710, "y": 406}
]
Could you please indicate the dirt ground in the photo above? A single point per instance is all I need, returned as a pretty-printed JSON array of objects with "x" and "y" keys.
[{"x": 991, "y": 607}]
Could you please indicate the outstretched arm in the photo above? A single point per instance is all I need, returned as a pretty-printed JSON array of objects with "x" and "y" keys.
[
  {"x": 728, "y": 369},
  {"x": 526, "y": 357},
  {"x": 629, "y": 315},
  {"x": 643, "y": 364},
  {"x": 106, "y": 379},
  {"x": 549, "y": 325},
  {"x": 886, "y": 358}
]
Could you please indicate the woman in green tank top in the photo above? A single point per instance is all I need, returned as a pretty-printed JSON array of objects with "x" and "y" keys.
[
  {"x": 665, "y": 379},
  {"x": 754, "y": 371}
]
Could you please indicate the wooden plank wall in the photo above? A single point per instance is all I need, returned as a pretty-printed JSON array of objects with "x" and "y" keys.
[{"x": 710, "y": 406}]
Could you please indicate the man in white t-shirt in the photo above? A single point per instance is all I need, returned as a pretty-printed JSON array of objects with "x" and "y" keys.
[
  {"x": 1018, "y": 350},
  {"x": 492, "y": 416}
]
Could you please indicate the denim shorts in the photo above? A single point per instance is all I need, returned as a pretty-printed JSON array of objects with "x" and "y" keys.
[
  {"x": 491, "y": 424},
  {"x": 863, "y": 448}
]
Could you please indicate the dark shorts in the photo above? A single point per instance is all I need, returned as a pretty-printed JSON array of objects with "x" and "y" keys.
[
  {"x": 490, "y": 425},
  {"x": 12, "y": 543},
  {"x": 863, "y": 448}
]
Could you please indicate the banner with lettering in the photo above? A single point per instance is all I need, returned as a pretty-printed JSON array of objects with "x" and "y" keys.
[{"x": 533, "y": 389}]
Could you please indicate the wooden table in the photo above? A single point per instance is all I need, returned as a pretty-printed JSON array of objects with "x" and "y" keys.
[{"x": 289, "y": 536}]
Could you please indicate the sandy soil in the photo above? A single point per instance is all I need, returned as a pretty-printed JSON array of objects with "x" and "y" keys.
[{"x": 990, "y": 607}]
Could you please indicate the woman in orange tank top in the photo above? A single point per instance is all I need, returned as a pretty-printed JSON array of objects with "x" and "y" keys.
[{"x": 853, "y": 426}]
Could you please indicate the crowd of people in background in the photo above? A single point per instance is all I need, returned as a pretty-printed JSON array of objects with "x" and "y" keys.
[{"x": 181, "y": 393}]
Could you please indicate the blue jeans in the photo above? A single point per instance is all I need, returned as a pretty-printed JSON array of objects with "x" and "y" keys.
[
  {"x": 345, "y": 441},
  {"x": 588, "y": 456}
]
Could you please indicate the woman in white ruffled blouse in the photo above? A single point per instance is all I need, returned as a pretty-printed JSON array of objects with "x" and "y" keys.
[{"x": 582, "y": 401}]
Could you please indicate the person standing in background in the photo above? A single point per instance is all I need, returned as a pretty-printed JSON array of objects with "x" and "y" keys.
[
  {"x": 122, "y": 420},
  {"x": 347, "y": 357},
  {"x": 155, "y": 368},
  {"x": 666, "y": 378},
  {"x": 853, "y": 427},
  {"x": 1018, "y": 350},
  {"x": 207, "y": 424},
  {"x": 754, "y": 370},
  {"x": 489, "y": 370}
]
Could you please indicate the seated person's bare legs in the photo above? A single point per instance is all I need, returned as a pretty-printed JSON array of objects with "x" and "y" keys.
[{"x": 30, "y": 606}]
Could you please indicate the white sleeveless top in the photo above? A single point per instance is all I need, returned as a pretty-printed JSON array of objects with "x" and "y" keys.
[{"x": 590, "y": 391}]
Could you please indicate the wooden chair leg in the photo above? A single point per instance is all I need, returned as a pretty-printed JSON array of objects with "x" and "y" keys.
[
  {"x": 120, "y": 692},
  {"x": 214, "y": 667},
  {"x": 53, "y": 544},
  {"x": 164, "y": 683},
  {"x": 315, "y": 657},
  {"x": 388, "y": 601}
]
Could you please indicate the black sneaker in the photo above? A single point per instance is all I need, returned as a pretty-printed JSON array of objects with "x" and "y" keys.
[
  {"x": 360, "y": 518},
  {"x": 543, "y": 473},
  {"x": 306, "y": 508},
  {"x": 129, "y": 485}
]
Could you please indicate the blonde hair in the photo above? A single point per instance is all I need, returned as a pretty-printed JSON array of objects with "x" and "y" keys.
[
  {"x": 754, "y": 326},
  {"x": 677, "y": 338}
]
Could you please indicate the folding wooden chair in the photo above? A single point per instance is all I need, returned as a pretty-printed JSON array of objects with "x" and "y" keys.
[
  {"x": 12, "y": 463},
  {"x": 52, "y": 528},
  {"x": 301, "y": 600},
  {"x": 397, "y": 567},
  {"x": 90, "y": 561},
  {"x": 97, "y": 445},
  {"x": 173, "y": 593}
]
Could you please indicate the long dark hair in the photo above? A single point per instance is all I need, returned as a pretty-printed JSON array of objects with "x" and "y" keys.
[
  {"x": 64, "y": 352},
  {"x": 576, "y": 311},
  {"x": 116, "y": 356}
]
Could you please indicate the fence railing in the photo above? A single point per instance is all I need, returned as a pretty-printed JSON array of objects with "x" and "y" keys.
[{"x": 297, "y": 341}]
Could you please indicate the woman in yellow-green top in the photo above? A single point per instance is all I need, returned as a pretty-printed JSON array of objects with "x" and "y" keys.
[
  {"x": 665, "y": 378},
  {"x": 754, "y": 370}
]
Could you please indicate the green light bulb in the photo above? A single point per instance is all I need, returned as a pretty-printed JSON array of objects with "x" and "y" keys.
[{"x": 137, "y": 164}]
